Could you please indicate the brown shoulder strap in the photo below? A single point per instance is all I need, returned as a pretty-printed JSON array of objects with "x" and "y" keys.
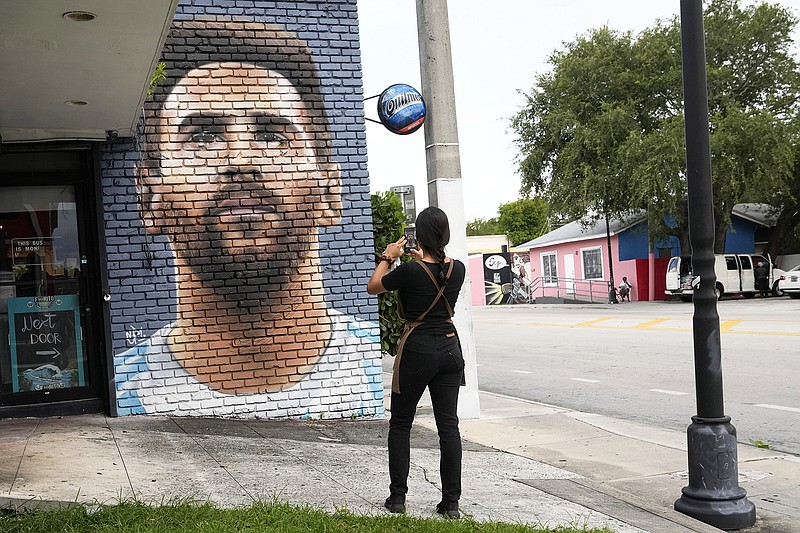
[
  {"x": 430, "y": 274},
  {"x": 441, "y": 290}
]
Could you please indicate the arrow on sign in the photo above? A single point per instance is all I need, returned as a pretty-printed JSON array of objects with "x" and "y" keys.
[{"x": 55, "y": 353}]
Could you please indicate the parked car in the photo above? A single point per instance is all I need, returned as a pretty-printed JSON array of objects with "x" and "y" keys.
[
  {"x": 734, "y": 276},
  {"x": 789, "y": 283}
]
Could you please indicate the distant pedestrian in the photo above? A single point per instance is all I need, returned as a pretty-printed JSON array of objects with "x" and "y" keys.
[
  {"x": 428, "y": 354},
  {"x": 761, "y": 274},
  {"x": 625, "y": 289}
]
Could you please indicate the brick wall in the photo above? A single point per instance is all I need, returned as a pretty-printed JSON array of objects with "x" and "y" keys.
[{"x": 238, "y": 226}]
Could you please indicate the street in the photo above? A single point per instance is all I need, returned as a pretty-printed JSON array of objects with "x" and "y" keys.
[{"x": 635, "y": 361}]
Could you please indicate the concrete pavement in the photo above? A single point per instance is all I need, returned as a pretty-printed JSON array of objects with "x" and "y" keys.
[{"x": 523, "y": 462}]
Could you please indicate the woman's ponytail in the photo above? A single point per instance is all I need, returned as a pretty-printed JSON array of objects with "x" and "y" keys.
[{"x": 439, "y": 254}]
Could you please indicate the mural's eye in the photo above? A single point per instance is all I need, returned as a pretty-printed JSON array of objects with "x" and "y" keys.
[
  {"x": 272, "y": 140},
  {"x": 206, "y": 137}
]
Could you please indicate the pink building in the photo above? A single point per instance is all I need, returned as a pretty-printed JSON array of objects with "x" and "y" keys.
[{"x": 572, "y": 263}]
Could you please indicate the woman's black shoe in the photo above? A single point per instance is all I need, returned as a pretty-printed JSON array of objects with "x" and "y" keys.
[
  {"x": 395, "y": 506},
  {"x": 448, "y": 509}
]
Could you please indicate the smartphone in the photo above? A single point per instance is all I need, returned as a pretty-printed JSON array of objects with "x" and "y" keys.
[{"x": 411, "y": 239}]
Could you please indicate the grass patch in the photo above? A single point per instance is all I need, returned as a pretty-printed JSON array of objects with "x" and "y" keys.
[{"x": 260, "y": 517}]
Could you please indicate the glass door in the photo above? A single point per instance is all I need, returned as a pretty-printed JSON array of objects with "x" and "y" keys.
[{"x": 42, "y": 307}]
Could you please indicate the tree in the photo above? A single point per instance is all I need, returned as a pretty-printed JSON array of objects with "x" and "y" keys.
[
  {"x": 524, "y": 219},
  {"x": 483, "y": 226},
  {"x": 576, "y": 117},
  {"x": 785, "y": 237},
  {"x": 602, "y": 133}
]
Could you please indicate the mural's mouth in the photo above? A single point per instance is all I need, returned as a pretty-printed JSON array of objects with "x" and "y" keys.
[
  {"x": 244, "y": 211},
  {"x": 243, "y": 208}
]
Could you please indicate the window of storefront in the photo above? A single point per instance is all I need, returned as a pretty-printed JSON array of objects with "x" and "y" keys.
[
  {"x": 40, "y": 291},
  {"x": 549, "y": 269},
  {"x": 592, "y": 263}
]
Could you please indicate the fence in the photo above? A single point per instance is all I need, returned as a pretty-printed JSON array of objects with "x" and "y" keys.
[{"x": 582, "y": 290}]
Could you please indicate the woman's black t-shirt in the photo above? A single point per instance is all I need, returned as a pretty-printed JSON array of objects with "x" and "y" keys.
[{"x": 416, "y": 291}]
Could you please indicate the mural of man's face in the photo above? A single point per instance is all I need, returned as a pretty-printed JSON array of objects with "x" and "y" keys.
[
  {"x": 241, "y": 186},
  {"x": 240, "y": 180}
]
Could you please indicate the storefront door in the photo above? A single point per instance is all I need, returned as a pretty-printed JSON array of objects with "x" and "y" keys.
[{"x": 49, "y": 362}]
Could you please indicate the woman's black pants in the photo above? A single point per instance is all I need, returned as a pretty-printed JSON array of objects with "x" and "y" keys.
[{"x": 434, "y": 361}]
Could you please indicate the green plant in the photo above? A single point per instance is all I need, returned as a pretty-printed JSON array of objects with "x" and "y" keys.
[
  {"x": 388, "y": 223},
  {"x": 760, "y": 444},
  {"x": 159, "y": 75}
]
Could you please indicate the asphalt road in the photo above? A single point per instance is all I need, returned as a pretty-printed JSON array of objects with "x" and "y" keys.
[{"x": 635, "y": 361}]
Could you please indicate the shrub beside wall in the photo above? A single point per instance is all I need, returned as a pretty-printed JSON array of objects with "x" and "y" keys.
[{"x": 388, "y": 223}]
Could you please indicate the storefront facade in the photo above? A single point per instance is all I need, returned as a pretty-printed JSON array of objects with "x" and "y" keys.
[{"x": 209, "y": 262}]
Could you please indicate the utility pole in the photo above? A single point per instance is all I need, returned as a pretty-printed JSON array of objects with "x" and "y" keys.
[
  {"x": 444, "y": 169},
  {"x": 713, "y": 494}
]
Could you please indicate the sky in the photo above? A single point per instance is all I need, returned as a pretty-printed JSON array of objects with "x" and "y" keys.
[{"x": 498, "y": 51}]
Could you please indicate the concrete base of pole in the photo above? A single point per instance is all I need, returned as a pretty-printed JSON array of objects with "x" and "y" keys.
[
  {"x": 713, "y": 495},
  {"x": 449, "y": 196}
]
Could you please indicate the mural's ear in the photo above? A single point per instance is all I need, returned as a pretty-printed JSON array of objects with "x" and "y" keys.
[{"x": 330, "y": 211}]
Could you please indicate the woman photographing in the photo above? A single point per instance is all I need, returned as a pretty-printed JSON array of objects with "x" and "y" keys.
[{"x": 428, "y": 355}]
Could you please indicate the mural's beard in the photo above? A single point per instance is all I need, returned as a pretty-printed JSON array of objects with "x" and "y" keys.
[{"x": 245, "y": 261}]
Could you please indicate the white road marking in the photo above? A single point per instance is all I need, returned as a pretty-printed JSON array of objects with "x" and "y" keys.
[
  {"x": 521, "y": 372},
  {"x": 585, "y": 380},
  {"x": 778, "y": 407},
  {"x": 673, "y": 392}
]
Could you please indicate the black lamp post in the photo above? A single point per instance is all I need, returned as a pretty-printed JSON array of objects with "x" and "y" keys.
[
  {"x": 612, "y": 293},
  {"x": 713, "y": 494}
]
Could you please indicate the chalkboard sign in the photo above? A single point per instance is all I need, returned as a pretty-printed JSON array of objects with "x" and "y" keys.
[{"x": 46, "y": 344}]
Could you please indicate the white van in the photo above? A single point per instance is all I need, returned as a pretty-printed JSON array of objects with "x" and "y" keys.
[{"x": 734, "y": 276}]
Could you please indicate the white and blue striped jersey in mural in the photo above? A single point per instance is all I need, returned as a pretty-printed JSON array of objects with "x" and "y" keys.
[{"x": 346, "y": 382}]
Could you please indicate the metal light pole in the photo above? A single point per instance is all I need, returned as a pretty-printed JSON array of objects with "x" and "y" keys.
[
  {"x": 612, "y": 294},
  {"x": 444, "y": 169},
  {"x": 713, "y": 494}
]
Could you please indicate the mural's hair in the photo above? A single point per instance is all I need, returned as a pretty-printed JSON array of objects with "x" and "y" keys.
[
  {"x": 192, "y": 43},
  {"x": 203, "y": 40},
  {"x": 433, "y": 233}
]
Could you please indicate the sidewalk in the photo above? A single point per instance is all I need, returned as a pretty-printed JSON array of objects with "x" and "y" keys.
[{"x": 523, "y": 462}]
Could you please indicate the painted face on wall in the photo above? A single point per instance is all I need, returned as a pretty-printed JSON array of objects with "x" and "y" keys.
[
  {"x": 239, "y": 176},
  {"x": 240, "y": 187}
]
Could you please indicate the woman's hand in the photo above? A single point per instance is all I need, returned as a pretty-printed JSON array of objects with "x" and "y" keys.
[
  {"x": 417, "y": 253},
  {"x": 391, "y": 253},
  {"x": 395, "y": 249}
]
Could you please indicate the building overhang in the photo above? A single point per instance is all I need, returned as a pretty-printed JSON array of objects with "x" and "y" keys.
[{"x": 77, "y": 69}]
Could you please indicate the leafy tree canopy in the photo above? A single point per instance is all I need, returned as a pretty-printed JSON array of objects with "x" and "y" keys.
[
  {"x": 483, "y": 226},
  {"x": 524, "y": 219},
  {"x": 602, "y": 133}
]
